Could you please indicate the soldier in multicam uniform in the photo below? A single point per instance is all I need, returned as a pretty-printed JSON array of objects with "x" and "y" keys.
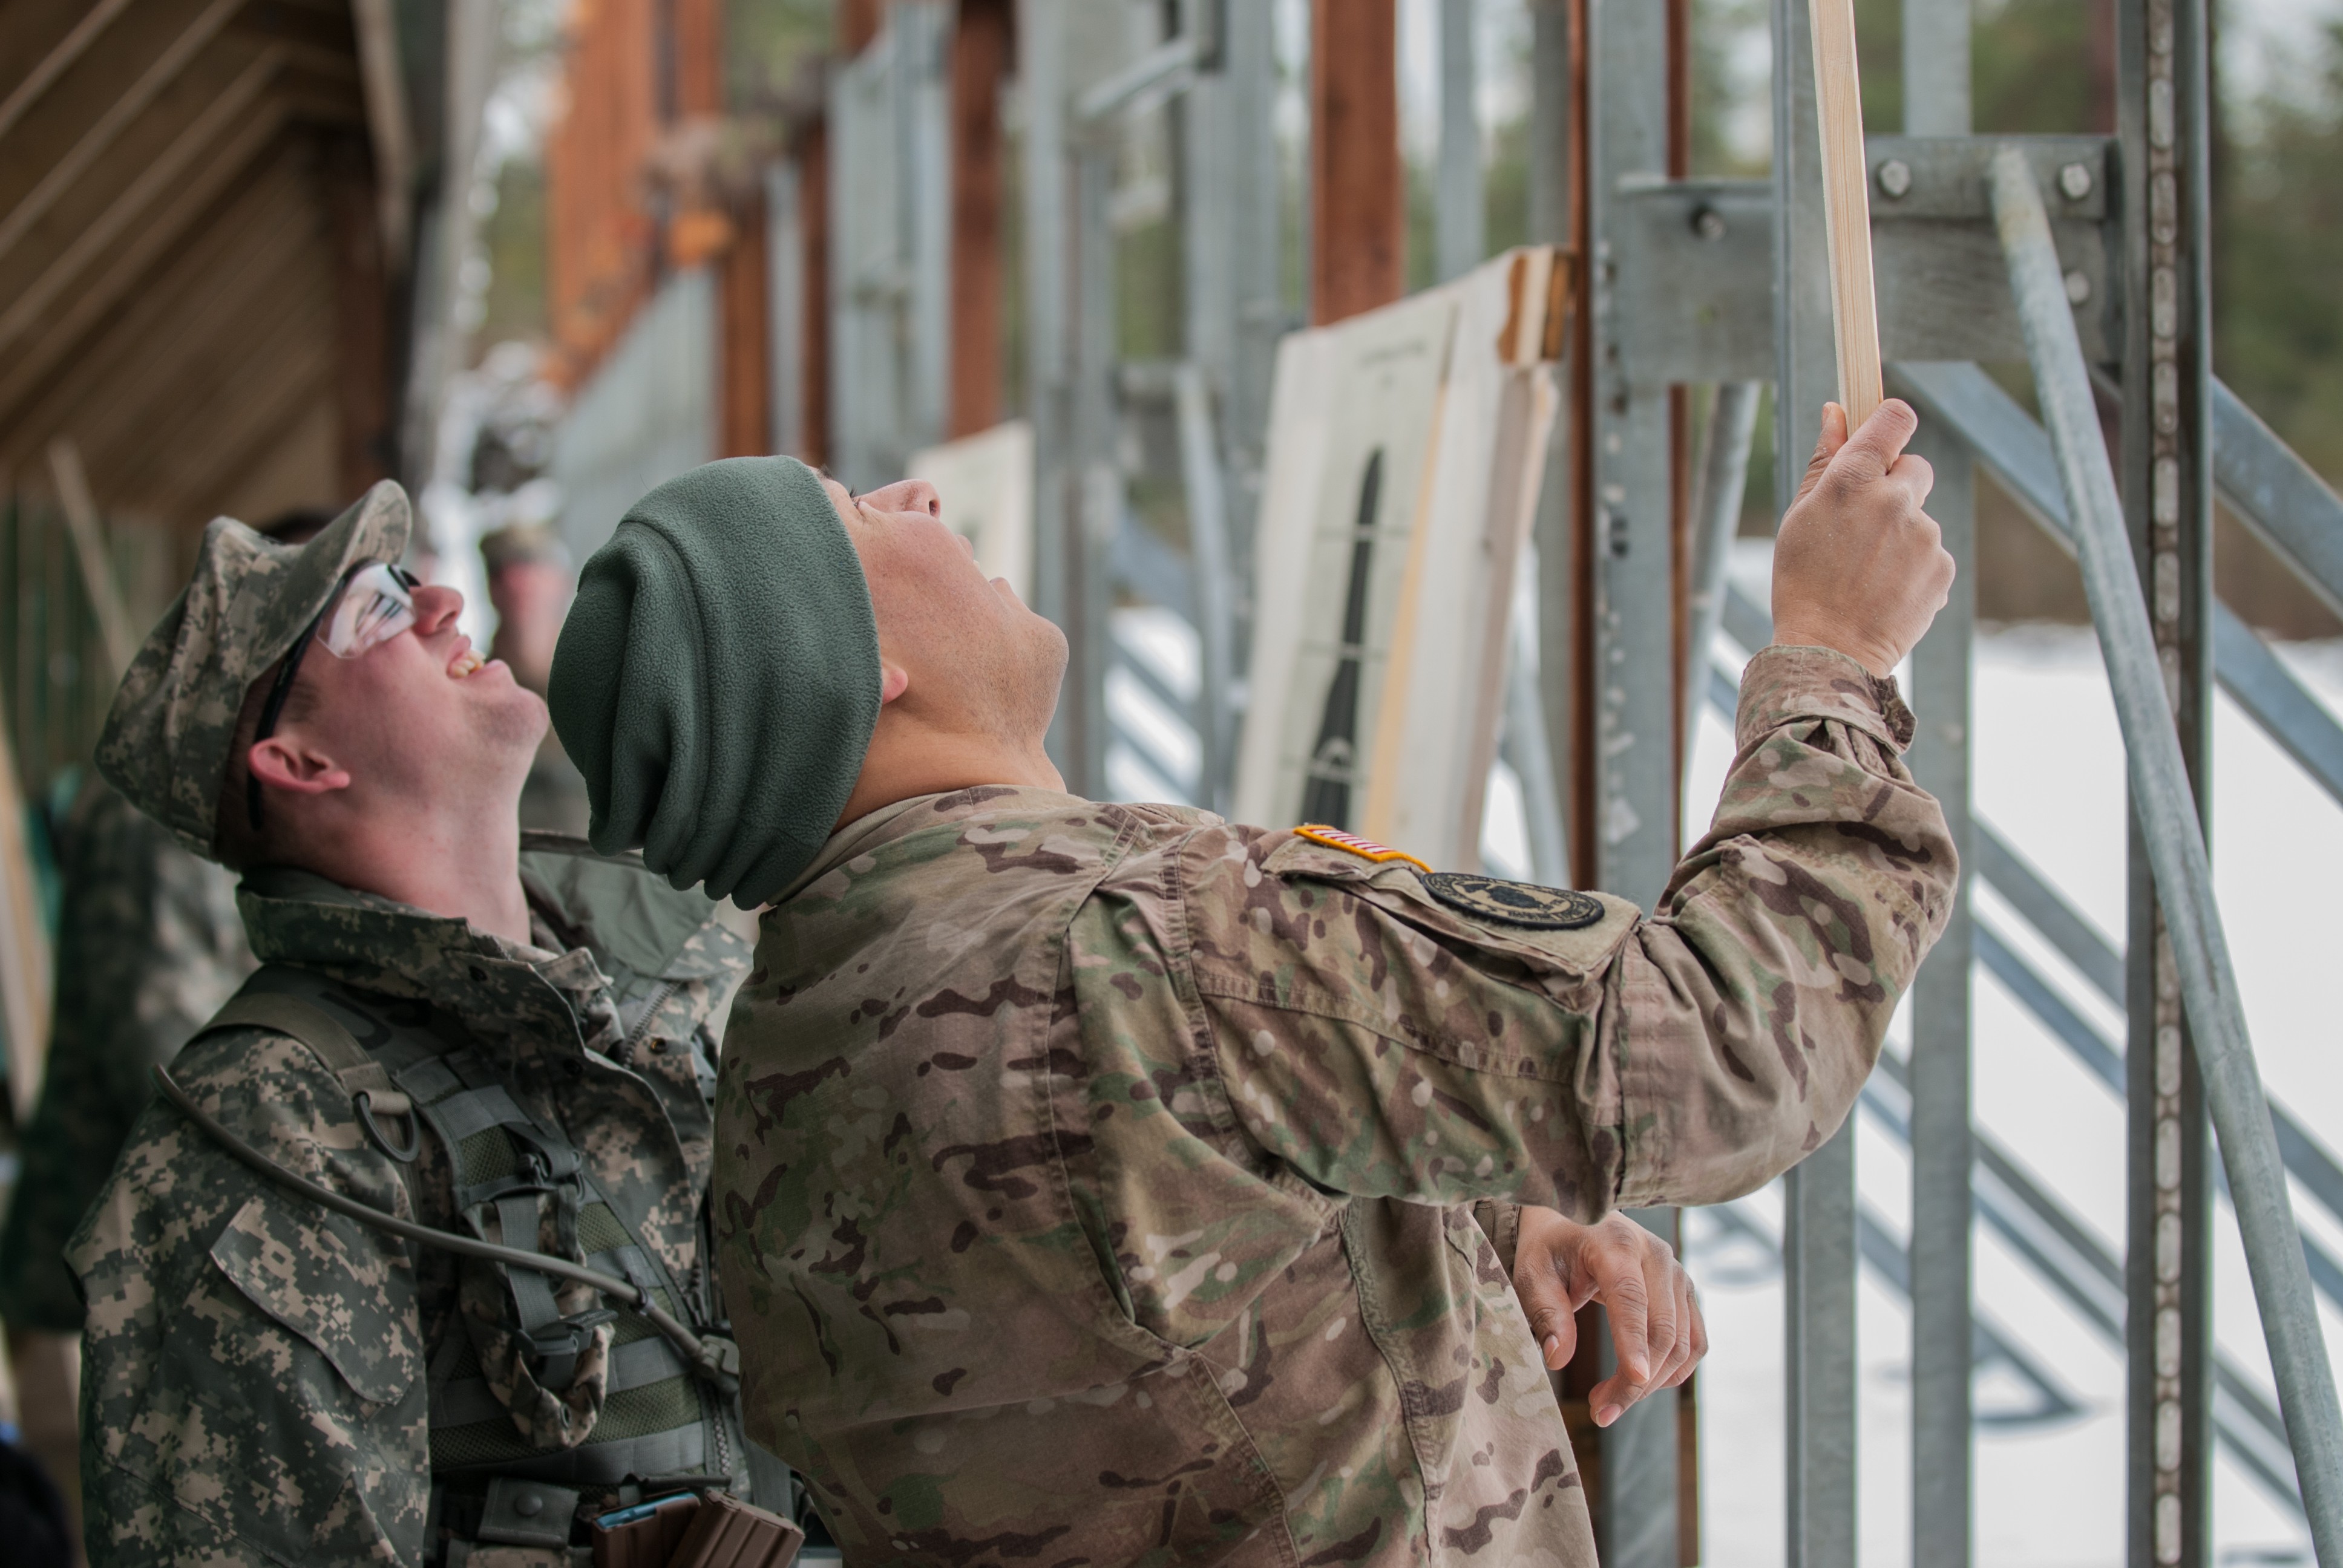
[
  {"x": 1113, "y": 1184},
  {"x": 512, "y": 1044}
]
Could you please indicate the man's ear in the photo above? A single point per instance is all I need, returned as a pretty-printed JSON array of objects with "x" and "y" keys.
[
  {"x": 282, "y": 762},
  {"x": 893, "y": 681}
]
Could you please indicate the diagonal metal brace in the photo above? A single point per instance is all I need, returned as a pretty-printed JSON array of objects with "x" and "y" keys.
[{"x": 2176, "y": 855}]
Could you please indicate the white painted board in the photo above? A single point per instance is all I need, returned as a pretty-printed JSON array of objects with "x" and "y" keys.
[{"x": 1405, "y": 451}]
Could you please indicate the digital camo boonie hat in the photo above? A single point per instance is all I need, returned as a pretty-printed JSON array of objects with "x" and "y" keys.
[{"x": 166, "y": 738}]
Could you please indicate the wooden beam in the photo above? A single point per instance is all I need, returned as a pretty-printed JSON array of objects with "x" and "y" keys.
[
  {"x": 79, "y": 254},
  {"x": 1358, "y": 181},
  {"x": 699, "y": 57},
  {"x": 25, "y": 975},
  {"x": 230, "y": 420},
  {"x": 146, "y": 396},
  {"x": 223, "y": 398},
  {"x": 1847, "y": 202},
  {"x": 133, "y": 262},
  {"x": 364, "y": 403},
  {"x": 276, "y": 404},
  {"x": 54, "y": 63},
  {"x": 859, "y": 22},
  {"x": 981, "y": 62},
  {"x": 134, "y": 349},
  {"x": 386, "y": 106},
  {"x": 744, "y": 338},
  {"x": 67, "y": 172}
]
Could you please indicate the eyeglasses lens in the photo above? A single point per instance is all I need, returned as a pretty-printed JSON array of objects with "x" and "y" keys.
[{"x": 375, "y": 608}]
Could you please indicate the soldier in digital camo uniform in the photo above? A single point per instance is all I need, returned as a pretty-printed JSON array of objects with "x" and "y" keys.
[
  {"x": 1103, "y": 1184},
  {"x": 514, "y": 1046}
]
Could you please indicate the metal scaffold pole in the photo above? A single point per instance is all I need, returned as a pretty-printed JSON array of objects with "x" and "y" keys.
[
  {"x": 1459, "y": 232},
  {"x": 1937, "y": 103},
  {"x": 2162, "y": 82},
  {"x": 1634, "y": 629},
  {"x": 1041, "y": 92},
  {"x": 2192, "y": 945}
]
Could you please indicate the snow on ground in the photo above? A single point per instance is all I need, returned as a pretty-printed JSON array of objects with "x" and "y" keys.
[{"x": 2049, "y": 763}]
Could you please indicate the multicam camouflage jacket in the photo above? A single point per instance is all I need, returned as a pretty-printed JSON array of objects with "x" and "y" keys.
[
  {"x": 263, "y": 1381},
  {"x": 148, "y": 946},
  {"x": 1096, "y": 1183}
]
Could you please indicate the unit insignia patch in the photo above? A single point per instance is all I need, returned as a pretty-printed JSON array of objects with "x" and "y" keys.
[
  {"x": 1351, "y": 844},
  {"x": 1514, "y": 903}
]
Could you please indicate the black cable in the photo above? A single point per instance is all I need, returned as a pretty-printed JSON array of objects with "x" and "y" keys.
[{"x": 705, "y": 1357}]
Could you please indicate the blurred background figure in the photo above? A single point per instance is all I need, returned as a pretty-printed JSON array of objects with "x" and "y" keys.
[{"x": 529, "y": 584}]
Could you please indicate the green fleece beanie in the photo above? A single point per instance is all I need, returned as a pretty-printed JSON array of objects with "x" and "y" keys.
[{"x": 717, "y": 679}]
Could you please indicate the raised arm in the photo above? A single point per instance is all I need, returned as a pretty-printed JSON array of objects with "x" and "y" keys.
[{"x": 1388, "y": 1033}]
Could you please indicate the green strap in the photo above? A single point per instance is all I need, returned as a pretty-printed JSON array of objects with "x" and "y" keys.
[{"x": 328, "y": 1040}]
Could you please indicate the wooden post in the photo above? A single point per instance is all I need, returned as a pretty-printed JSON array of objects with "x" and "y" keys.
[
  {"x": 1847, "y": 202},
  {"x": 744, "y": 335},
  {"x": 25, "y": 975},
  {"x": 981, "y": 61},
  {"x": 698, "y": 43},
  {"x": 813, "y": 325},
  {"x": 859, "y": 22},
  {"x": 1358, "y": 181},
  {"x": 89, "y": 551}
]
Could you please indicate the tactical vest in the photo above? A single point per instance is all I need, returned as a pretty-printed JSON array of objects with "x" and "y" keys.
[{"x": 658, "y": 1420}]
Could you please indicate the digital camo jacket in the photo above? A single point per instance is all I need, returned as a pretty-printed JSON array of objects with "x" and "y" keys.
[
  {"x": 259, "y": 1374},
  {"x": 148, "y": 946},
  {"x": 1094, "y": 1183}
]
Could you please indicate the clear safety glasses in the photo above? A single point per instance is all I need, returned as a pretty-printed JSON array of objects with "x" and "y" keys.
[{"x": 376, "y": 603}]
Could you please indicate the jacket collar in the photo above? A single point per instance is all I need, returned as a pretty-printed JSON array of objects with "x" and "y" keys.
[
  {"x": 904, "y": 818},
  {"x": 377, "y": 944}
]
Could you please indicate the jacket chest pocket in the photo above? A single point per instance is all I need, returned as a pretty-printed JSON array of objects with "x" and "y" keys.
[{"x": 347, "y": 1293}]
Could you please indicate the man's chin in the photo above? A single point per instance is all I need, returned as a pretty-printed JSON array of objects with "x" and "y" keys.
[{"x": 517, "y": 723}]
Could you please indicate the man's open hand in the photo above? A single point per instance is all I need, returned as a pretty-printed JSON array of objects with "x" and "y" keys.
[
  {"x": 1560, "y": 1265},
  {"x": 1857, "y": 566}
]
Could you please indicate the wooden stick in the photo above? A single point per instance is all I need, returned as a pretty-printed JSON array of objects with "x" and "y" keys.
[
  {"x": 25, "y": 977},
  {"x": 1846, "y": 206},
  {"x": 89, "y": 549}
]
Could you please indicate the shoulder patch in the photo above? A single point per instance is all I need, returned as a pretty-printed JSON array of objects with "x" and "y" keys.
[
  {"x": 1513, "y": 903},
  {"x": 1351, "y": 844}
]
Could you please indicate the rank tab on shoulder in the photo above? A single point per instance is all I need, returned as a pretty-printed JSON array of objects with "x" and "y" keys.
[{"x": 1351, "y": 844}]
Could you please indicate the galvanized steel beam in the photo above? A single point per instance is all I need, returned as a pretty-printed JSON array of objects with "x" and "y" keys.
[
  {"x": 2168, "y": 1520},
  {"x": 1937, "y": 103}
]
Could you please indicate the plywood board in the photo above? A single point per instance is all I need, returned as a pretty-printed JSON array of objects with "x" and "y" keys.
[
  {"x": 1405, "y": 451},
  {"x": 985, "y": 482}
]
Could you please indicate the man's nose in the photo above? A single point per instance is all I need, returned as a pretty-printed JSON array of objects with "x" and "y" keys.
[
  {"x": 435, "y": 608},
  {"x": 906, "y": 495}
]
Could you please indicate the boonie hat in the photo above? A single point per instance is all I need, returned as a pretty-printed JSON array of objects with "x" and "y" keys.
[{"x": 167, "y": 736}]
